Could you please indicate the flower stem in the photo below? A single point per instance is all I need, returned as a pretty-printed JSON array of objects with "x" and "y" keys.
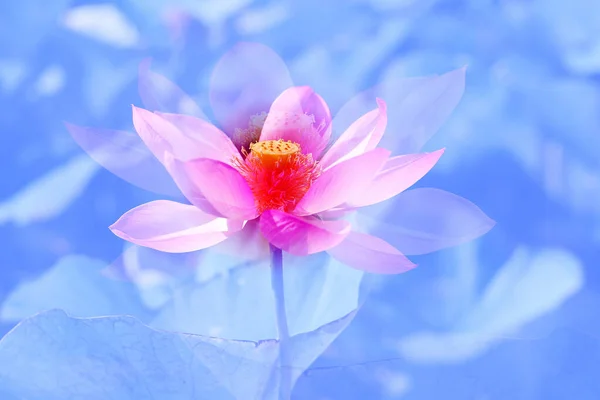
[{"x": 285, "y": 381}]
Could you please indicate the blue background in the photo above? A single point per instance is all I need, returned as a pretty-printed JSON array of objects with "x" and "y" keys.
[{"x": 523, "y": 145}]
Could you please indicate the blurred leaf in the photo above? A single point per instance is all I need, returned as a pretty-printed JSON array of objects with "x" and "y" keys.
[
  {"x": 77, "y": 285},
  {"x": 529, "y": 286},
  {"x": 49, "y": 195},
  {"x": 21, "y": 31},
  {"x": 103, "y": 22}
]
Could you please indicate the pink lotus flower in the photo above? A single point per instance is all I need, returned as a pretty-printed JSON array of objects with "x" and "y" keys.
[{"x": 272, "y": 174}]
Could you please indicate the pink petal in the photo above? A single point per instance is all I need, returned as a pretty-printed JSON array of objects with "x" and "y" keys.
[
  {"x": 185, "y": 137},
  {"x": 342, "y": 182},
  {"x": 244, "y": 83},
  {"x": 187, "y": 186},
  {"x": 290, "y": 118},
  {"x": 370, "y": 254},
  {"x": 301, "y": 236},
  {"x": 397, "y": 175},
  {"x": 173, "y": 227},
  {"x": 363, "y": 135},
  {"x": 125, "y": 155},
  {"x": 421, "y": 221},
  {"x": 221, "y": 185},
  {"x": 161, "y": 136},
  {"x": 160, "y": 94},
  {"x": 205, "y": 140}
]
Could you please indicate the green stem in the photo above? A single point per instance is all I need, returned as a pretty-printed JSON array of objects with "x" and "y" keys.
[{"x": 285, "y": 382}]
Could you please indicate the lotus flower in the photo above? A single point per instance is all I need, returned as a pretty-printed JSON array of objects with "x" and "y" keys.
[{"x": 273, "y": 174}]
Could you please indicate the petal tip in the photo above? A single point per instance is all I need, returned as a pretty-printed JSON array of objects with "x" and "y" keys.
[
  {"x": 113, "y": 228},
  {"x": 489, "y": 224},
  {"x": 381, "y": 104}
]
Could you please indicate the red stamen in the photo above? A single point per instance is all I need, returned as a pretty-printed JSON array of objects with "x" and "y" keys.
[{"x": 278, "y": 174}]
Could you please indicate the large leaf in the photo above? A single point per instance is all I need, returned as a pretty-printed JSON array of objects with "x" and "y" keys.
[{"x": 54, "y": 357}]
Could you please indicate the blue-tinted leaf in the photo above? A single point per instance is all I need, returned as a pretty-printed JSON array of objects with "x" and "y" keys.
[
  {"x": 529, "y": 286},
  {"x": 239, "y": 303},
  {"x": 77, "y": 285},
  {"x": 54, "y": 357}
]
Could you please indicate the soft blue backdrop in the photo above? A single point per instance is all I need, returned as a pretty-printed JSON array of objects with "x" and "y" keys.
[{"x": 510, "y": 316}]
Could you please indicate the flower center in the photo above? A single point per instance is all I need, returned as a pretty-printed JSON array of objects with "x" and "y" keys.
[
  {"x": 271, "y": 152},
  {"x": 278, "y": 174}
]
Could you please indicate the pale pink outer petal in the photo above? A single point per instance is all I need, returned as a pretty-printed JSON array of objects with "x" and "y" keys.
[
  {"x": 245, "y": 82},
  {"x": 398, "y": 174},
  {"x": 301, "y": 236},
  {"x": 125, "y": 155},
  {"x": 174, "y": 135},
  {"x": 394, "y": 91},
  {"x": 221, "y": 185},
  {"x": 370, "y": 254},
  {"x": 159, "y": 135},
  {"x": 424, "y": 220},
  {"x": 158, "y": 93},
  {"x": 207, "y": 141},
  {"x": 420, "y": 109},
  {"x": 363, "y": 135},
  {"x": 284, "y": 120},
  {"x": 341, "y": 182},
  {"x": 173, "y": 227}
]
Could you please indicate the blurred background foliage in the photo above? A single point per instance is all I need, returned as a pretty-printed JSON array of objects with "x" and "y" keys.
[{"x": 512, "y": 315}]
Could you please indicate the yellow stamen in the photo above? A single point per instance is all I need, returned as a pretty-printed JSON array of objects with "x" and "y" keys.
[{"x": 272, "y": 151}]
